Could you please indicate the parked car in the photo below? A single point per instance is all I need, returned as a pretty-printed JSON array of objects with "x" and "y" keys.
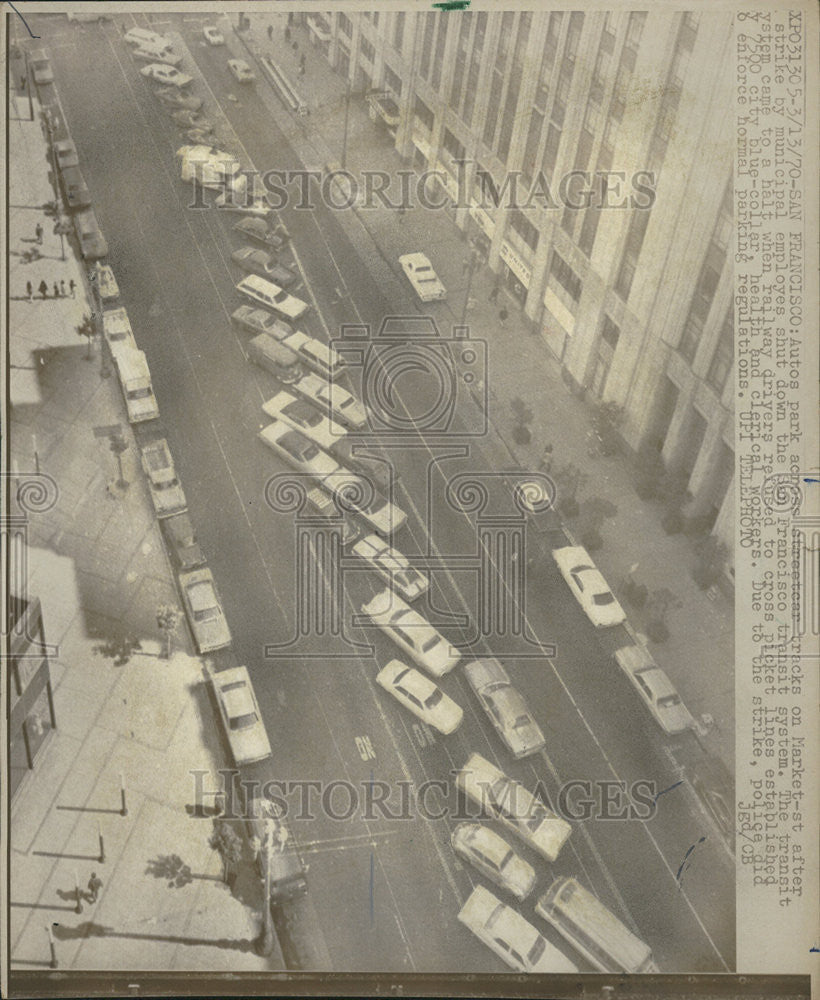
[
  {"x": 166, "y": 74},
  {"x": 267, "y": 352},
  {"x": 167, "y": 495},
  {"x": 41, "y": 68},
  {"x": 514, "y": 806},
  {"x": 487, "y": 851},
  {"x": 258, "y": 262},
  {"x": 258, "y": 229},
  {"x": 324, "y": 360},
  {"x": 240, "y": 714},
  {"x": 143, "y": 37},
  {"x": 75, "y": 191},
  {"x": 191, "y": 119},
  {"x": 199, "y": 135},
  {"x": 332, "y": 399},
  {"x": 421, "y": 696},
  {"x": 353, "y": 454},
  {"x": 92, "y": 242},
  {"x": 393, "y": 567},
  {"x": 412, "y": 632},
  {"x": 656, "y": 690},
  {"x": 355, "y": 494},
  {"x": 117, "y": 330},
  {"x": 297, "y": 450},
  {"x": 510, "y": 936},
  {"x": 65, "y": 154},
  {"x": 260, "y": 321},
  {"x": 241, "y": 71},
  {"x": 422, "y": 277},
  {"x": 213, "y": 36},
  {"x": 166, "y": 57},
  {"x": 107, "y": 283},
  {"x": 181, "y": 541},
  {"x": 270, "y": 296},
  {"x": 204, "y": 610},
  {"x": 172, "y": 98},
  {"x": 304, "y": 417},
  {"x": 588, "y": 586},
  {"x": 505, "y": 707}
]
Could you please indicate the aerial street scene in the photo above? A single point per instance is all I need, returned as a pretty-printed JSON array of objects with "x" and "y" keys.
[{"x": 371, "y": 454}]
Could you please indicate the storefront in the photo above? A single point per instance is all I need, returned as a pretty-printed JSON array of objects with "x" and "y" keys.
[
  {"x": 515, "y": 273},
  {"x": 31, "y": 715}
]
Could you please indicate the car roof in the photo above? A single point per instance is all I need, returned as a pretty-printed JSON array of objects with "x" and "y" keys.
[
  {"x": 416, "y": 683},
  {"x": 486, "y": 670},
  {"x": 487, "y": 841},
  {"x": 202, "y": 594}
]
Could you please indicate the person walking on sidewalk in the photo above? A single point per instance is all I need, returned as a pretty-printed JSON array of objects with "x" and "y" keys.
[
  {"x": 270, "y": 32},
  {"x": 493, "y": 296},
  {"x": 72, "y": 287},
  {"x": 95, "y": 883},
  {"x": 38, "y": 234},
  {"x": 29, "y": 291},
  {"x": 302, "y": 61},
  {"x": 502, "y": 317},
  {"x": 43, "y": 289},
  {"x": 62, "y": 287},
  {"x": 546, "y": 459},
  {"x": 56, "y": 290}
]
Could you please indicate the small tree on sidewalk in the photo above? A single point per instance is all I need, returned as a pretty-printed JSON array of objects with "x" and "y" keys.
[
  {"x": 568, "y": 480},
  {"x": 659, "y": 603},
  {"x": 522, "y": 415},
  {"x": 88, "y": 330},
  {"x": 591, "y": 516},
  {"x": 226, "y": 842},
  {"x": 168, "y": 618}
]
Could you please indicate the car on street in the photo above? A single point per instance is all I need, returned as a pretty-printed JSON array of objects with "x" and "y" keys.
[
  {"x": 332, "y": 400},
  {"x": 304, "y": 417},
  {"x": 258, "y": 229},
  {"x": 509, "y": 802},
  {"x": 412, "y": 632},
  {"x": 167, "y": 495},
  {"x": 41, "y": 68},
  {"x": 93, "y": 245},
  {"x": 65, "y": 154},
  {"x": 357, "y": 495},
  {"x": 250, "y": 203},
  {"x": 181, "y": 541},
  {"x": 75, "y": 189},
  {"x": 240, "y": 714},
  {"x": 117, "y": 330},
  {"x": 421, "y": 696},
  {"x": 258, "y": 262},
  {"x": 191, "y": 119},
  {"x": 204, "y": 610},
  {"x": 487, "y": 851},
  {"x": 505, "y": 707},
  {"x": 107, "y": 283},
  {"x": 172, "y": 98},
  {"x": 143, "y": 37},
  {"x": 213, "y": 36},
  {"x": 419, "y": 272},
  {"x": 297, "y": 450},
  {"x": 656, "y": 690},
  {"x": 260, "y": 321},
  {"x": 153, "y": 55},
  {"x": 323, "y": 359},
  {"x": 241, "y": 71},
  {"x": 588, "y": 585},
  {"x": 392, "y": 566},
  {"x": 511, "y": 936},
  {"x": 356, "y": 455},
  {"x": 272, "y": 296},
  {"x": 166, "y": 74},
  {"x": 199, "y": 135}
]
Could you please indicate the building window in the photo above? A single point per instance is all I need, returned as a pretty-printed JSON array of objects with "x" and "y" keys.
[
  {"x": 398, "y": 31},
  {"x": 493, "y": 104},
  {"x": 392, "y": 81},
  {"x": 525, "y": 229},
  {"x": 509, "y": 116},
  {"x": 345, "y": 25},
  {"x": 427, "y": 44},
  {"x": 565, "y": 277},
  {"x": 701, "y": 302},
  {"x": 441, "y": 40},
  {"x": 368, "y": 51},
  {"x": 724, "y": 354},
  {"x": 424, "y": 114},
  {"x": 504, "y": 37},
  {"x": 551, "y": 149},
  {"x": 576, "y": 23},
  {"x": 475, "y": 67},
  {"x": 610, "y": 333},
  {"x": 461, "y": 61},
  {"x": 634, "y": 29},
  {"x": 532, "y": 144},
  {"x": 632, "y": 250},
  {"x": 453, "y": 146}
]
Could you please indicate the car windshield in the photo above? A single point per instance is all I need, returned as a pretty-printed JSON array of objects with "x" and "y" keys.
[
  {"x": 281, "y": 297},
  {"x": 244, "y": 721},
  {"x": 668, "y": 701},
  {"x": 604, "y": 598},
  {"x": 206, "y": 615},
  {"x": 537, "y": 950},
  {"x": 521, "y": 722},
  {"x": 169, "y": 484},
  {"x": 435, "y": 699},
  {"x": 430, "y": 643}
]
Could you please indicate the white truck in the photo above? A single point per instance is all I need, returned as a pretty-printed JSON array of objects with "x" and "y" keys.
[{"x": 211, "y": 168}]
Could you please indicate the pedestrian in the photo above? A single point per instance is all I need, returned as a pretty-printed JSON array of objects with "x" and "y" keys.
[
  {"x": 95, "y": 883},
  {"x": 23, "y": 83},
  {"x": 38, "y": 233},
  {"x": 43, "y": 289},
  {"x": 270, "y": 32},
  {"x": 56, "y": 290},
  {"x": 502, "y": 317},
  {"x": 546, "y": 459},
  {"x": 287, "y": 33},
  {"x": 62, "y": 287},
  {"x": 72, "y": 287},
  {"x": 29, "y": 290},
  {"x": 295, "y": 46},
  {"x": 493, "y": 297},
  {"x": 302, "y": 62}
]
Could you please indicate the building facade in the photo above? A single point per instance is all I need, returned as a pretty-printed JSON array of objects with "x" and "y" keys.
[{"x": 591, "y": 155}]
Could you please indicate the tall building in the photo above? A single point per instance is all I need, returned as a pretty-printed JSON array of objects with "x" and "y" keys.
[{"x": 592, "y": 155}]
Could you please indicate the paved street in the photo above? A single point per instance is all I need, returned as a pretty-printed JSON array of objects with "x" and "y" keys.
[{"x": 386, "y": 891}]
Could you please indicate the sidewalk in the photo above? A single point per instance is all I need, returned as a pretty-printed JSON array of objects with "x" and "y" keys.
[
  {"x": 700, "y": 651},
  {"x": 96, "y": 561}
]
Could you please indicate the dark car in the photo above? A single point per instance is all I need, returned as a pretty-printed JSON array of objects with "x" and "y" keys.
[
  {"x": 172, "y": 98},
  {"x": 92, "y": 241},
  {"x": 76, "y": 193},
  {"x": 257, "y": 229},
  {"x": 182, "y": 543},
  {"x": 347, "y": 451},
  {"x": 266, "y": 266},
  {"x": 65, "y": 154}
]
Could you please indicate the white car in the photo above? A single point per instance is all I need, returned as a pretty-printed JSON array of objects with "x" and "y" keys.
[
  {"x": 143, "y": 37},
  {"x": 332, "y": 400},
  {"x": 316, "y": 355},
  {"x": 297, "y": 450},
  {"x": 588, "y": 586},
  {"x": 166, "y": 74},
  {"x": 412, "y": 632},
  {"x": 505, "y": 707},
  {"x": 271, "y": 296},
  {"x": 418, "y": 693},
  {"x": 107, "y": 283},
  {"x": 656, "y": 690},
  {"x": 510, "y": 936},
  {"x": 213, "y": 36},
  {"x": 304, "y": 417},
  {"x": 158, "y": 465},
  {"x": 494, "y": 858},
  {"x": 510, "y": 803},
  {"x": 241, "y": 718},
  {"x": 241, "y": 71},
  {"x": 117, "y": 330},
  {"x": 204, "y": 610},
  {"x": 422, "y": 277},
  {"x": 393, "y": 567},
  {"x": 260, "y": 321},
  {"x": 166, "y": 58},
  {"x": 355, "y": 493}
]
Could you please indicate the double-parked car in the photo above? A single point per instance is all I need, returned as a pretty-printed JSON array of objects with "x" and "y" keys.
[
  {"x": 588, "y": 586},
  {"x": 412, "y": 633},
  {"x": 505, "y": 707}
]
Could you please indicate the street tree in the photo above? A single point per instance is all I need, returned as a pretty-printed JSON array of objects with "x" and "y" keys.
[{"x": 227, "y": 843}]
